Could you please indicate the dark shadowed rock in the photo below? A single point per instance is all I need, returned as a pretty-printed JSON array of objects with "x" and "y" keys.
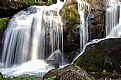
[
  {"x": 8, "y": 9},
  {"x": 1, "y": 37},
  {"x": 103, "y": 55},
  {"x": 70, "y": 72}
]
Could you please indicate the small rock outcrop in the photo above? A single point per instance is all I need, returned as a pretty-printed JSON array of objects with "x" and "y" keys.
[
  {"x": 103, "y": 55},
  {"x": 70, "y": 72}
]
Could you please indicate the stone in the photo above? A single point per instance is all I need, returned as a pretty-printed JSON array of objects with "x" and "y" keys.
[
  {"x": 71, "y": 21},
  {"x": 1, "y": 38},
  {"x": 103, "y": 55},
  {"x": 70, "y": 72}
]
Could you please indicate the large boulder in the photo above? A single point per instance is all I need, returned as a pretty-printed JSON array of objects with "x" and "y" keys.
[
  {"x": 103, "y": 55},
  {"x": 70, "y": 72}
]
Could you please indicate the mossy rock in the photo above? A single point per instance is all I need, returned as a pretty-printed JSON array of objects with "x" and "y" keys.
[
  {"x": 71, "y": 21},
  {"x": 89, "y": 58},
  {"x": 103, "y": 55}
]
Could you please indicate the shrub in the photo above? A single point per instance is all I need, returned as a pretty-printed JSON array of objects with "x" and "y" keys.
[{"x": 3, "y": 22}]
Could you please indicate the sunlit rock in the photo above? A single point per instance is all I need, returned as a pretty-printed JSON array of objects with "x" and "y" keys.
[{"x": 70, "y": 72}]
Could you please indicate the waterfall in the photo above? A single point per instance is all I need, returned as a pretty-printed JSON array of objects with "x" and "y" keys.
[
  {"x": 113, "y": 23},
  {"x": 34, "y": 34},
  {"x": 84, "y": 12},
  {"x": 112, "y": 15}
]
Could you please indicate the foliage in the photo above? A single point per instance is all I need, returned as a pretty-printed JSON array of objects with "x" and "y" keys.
[
  {"x": 51, "y": 78},
  {"x": 35, "y": 2},
  {"x": 51, "y": 2},
  {"x": 30, "y": 2},
  {"x": 18, "y": 78},
  {"x": 3, "y": 22}
]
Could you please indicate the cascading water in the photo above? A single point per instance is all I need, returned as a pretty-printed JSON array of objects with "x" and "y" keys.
[
  {"x": 31, "y": 37},
  {"x": 116, "y": 31},
  {"x": 112, "y": 15},
  {"x": 36, "y": 36},
  {"x": 84, "y": 11},
  {"x": 113, "y": 23}
]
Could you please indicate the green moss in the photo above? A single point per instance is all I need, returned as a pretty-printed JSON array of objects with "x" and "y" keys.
[
  {"x": 101, "y": 23},
  {"x": 3, "y": 22},
  {"x": 81, "y": 79},
  {"x": 70, "y": 13},
  {"x": 74, "y": 10},
  {"x": 88, "y": 59},
  {"x": 92, "y": 67},
  {"x": 51, "y": 78},
  {"x": 32, "y": 2},
  {"x": 89, "y": 54},
  {"x": 18, "y": 78}
]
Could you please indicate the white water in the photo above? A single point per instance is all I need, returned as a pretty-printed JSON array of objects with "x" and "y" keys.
[
  {"x": 30, "y": 68},
  {"x": 84, "y": 11},
  {"x": 112, "y": 15},
  {"x": 116, "y": 31},
  {"x": 33, "y": 25},
  {"x": 113, "y": 24},
  {"x": 31, "y": 37}
]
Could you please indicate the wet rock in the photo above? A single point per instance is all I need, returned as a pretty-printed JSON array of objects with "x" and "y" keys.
[
  {"x": 103, "y": 55},
  {"x": 96, "y": 25},
  {"x": 1, "y": 37},
  {"x": 1, "y": 75},
  {"x": 70, "y": 72},
  {"x": 71, "y": 20},
  {"x": 53, "y": 63}
]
